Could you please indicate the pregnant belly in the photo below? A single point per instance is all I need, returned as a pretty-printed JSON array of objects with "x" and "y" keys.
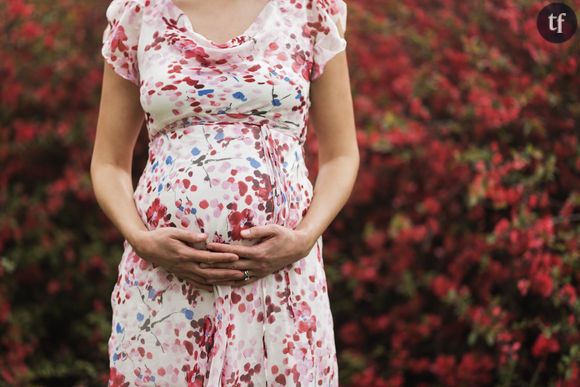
[{"x": 219, "y": 179}]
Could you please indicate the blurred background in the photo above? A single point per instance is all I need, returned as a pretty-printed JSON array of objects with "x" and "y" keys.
[{"x": 456, "y": 261}]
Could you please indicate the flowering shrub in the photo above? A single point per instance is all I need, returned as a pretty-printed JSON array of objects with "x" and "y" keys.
[
  {"x": 456, "y": 259},
  {"x": 465, "y": 268}
]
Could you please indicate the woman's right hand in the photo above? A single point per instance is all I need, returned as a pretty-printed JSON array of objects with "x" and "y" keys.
[{"x": 172, "y": 248}]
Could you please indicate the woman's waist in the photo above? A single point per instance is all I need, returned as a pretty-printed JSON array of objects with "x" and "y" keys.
[{"x": 189, "y": 128}]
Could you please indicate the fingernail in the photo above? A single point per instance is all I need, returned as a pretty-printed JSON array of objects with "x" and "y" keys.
[{"x": 245, "y": 233}]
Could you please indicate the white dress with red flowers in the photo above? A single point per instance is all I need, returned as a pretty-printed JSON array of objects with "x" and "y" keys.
[{"x": 226, "y": 125}]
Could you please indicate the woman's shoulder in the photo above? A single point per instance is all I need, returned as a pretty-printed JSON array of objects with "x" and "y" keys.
[
  {"x": 326, "y": 26},
  {"x": 121, "y": 36}
]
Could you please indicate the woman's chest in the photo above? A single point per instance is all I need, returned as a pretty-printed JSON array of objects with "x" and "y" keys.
[{"x": 262, "y": 74}]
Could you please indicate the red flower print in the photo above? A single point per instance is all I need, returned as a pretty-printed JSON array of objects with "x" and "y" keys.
[
  {"x": 240, "y": 221},
  {"x": 117, "y": 379},
  {"x": 306, "y": 320},
  {"x": 156, "y": 212},
  {"x": 119, "y": 39},
  {"x": 208, "y": 332}
]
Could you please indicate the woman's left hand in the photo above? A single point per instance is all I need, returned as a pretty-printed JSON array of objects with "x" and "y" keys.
[{"x": 279, "y": 246}]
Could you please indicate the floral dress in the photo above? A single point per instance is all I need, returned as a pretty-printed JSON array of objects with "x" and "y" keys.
[{"x": 226, "y": 124}]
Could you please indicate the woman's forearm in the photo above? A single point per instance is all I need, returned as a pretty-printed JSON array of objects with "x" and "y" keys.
[
  {"x": 113, "y": 189},
  {"x": 332, "y": 189}
]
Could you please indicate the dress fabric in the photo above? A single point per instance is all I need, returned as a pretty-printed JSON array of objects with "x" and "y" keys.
[{"x": 226, "y": 124}]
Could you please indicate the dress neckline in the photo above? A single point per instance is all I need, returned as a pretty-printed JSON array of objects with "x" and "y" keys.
[{"x": 247, "y": 33}]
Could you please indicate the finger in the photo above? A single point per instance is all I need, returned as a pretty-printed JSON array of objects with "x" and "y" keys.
[
  {"x": 188, "y": 236},
  {"x": 186, "y": 273},
  {"x": 193, "y": 276},
  {"x": 210, "y": 275},
  {"x": 211, "y": 256},
  {"x": 240, "y": 250},
  {"x": 240, "y": 264},
  {"x": 260, "y": 231}
]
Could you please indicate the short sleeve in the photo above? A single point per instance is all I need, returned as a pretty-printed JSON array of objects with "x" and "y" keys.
[
  {"x": 328, "y": 14},
  {"x": 121, "y": 38}
]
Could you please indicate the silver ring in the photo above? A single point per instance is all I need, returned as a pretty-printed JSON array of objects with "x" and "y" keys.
[{"x": 246, "y": 275}]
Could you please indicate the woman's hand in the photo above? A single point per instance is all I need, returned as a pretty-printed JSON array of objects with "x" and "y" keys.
[
  {"x": 172, "y": 248},
  {"x": 279, "y": 246}
]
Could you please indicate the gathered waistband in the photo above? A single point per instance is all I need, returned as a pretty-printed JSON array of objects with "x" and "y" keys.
[
  {"x": 191, "y": 120},
  {"x": 264, "y": 125}
]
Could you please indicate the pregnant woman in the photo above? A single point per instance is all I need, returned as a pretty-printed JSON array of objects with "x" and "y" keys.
[{"x": 222, "y": 282}]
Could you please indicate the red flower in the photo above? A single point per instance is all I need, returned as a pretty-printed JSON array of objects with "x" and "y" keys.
[
  {"x": 568, "y": 293},
  {"x": 444, "y": 366},
  {"x": 475, "y": 369},
  {"x": 543, "y": 284},
  {"x": 523, "y": 286},
  {"x": 350, "y": 333},
  {"x": 545, "y": 345},
  {"x": 441, "y": 285}
]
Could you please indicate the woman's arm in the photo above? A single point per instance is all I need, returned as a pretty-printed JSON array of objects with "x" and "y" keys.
[
  {"x": 119, "y": 123},
  {"x": 338, "y": 156}
]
